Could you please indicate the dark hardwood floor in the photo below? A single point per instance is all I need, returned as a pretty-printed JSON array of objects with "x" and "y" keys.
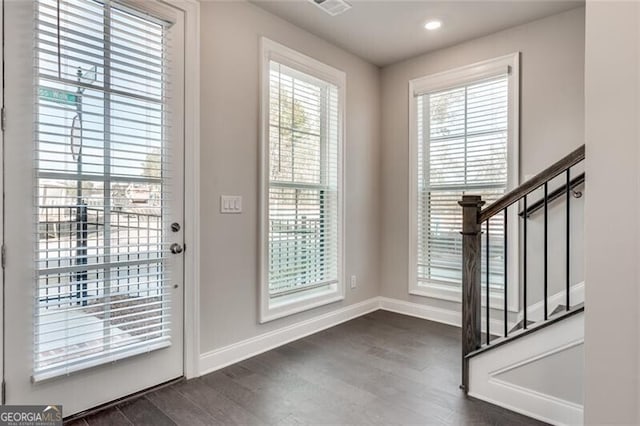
[{"x": 382, "y": 368}]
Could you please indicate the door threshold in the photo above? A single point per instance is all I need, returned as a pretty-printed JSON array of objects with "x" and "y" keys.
[{"x": 118, "y": 401}]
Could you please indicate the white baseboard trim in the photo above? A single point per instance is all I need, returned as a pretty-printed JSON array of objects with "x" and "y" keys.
[
  {"x": 236, "y": 352},
  {"x": 556, "y": 411},
  {"x": 508, "y": 395},
  {"x": 418, "y": 310},
  {"x": 431, "y": 313}
]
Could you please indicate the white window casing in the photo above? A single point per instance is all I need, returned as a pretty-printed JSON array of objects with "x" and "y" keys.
[
  {"x": 463, "y": 139},
  {"x": 301, "y": 182}
]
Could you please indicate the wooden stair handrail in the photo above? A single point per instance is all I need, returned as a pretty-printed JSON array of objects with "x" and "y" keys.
[{"x": 532, "y": 184}]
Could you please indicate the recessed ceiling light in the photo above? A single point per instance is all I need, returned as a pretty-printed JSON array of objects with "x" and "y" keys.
[{"x": 433, "y": 25}]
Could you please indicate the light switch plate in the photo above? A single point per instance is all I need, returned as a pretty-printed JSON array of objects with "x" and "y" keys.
[{"x": 230, "y": 204}]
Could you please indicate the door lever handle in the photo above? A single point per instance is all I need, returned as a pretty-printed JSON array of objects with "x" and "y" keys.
[{"x": 176, "y": 248}]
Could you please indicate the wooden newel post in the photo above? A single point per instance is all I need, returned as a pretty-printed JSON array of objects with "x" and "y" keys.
[{"x": 471, "y": 278}]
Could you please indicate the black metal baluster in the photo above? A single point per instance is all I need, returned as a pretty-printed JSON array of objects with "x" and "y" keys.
[
  {"x": 524, "y": 268},
  {"x": 506, "y": 331},
  {"x": 546, "y": 249},
  {"x": 568, "y": 283},
  {"x": 487, "y": 296}
]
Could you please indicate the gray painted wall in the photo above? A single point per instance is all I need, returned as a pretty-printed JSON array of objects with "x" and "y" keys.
[
  {"x": 612, "y": 210},
  {"x": 376, "y": 150},
  {"x": 229, "y": 165},
  {"x": 552, "y": 125}
]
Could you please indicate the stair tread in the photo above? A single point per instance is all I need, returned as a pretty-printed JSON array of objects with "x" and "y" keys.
[
  {"x": 518, "y": 325},
  {"x": 563, "y": 308},
  {"x": 560, "y": 309}
]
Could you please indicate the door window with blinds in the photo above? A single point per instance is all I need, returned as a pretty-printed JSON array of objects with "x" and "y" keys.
[
  {"x": 101, "y": 172},
  {"x": 302, "y": 182},
  {"x": 463, "y": 143}
]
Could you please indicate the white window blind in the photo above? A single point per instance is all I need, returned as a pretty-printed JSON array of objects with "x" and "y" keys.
[
  {"x": 462, "y": 149},
  {"x": 101, "y": 173},
  {"x": 303, "y": 189}
]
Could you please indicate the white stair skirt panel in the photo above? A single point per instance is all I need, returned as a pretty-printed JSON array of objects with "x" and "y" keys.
[{"x": 539, "y": 375}]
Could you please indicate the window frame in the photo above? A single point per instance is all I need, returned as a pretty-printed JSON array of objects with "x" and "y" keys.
[
  {"x": 445, "y": 80},
  {"x": 312, "y": 297}
]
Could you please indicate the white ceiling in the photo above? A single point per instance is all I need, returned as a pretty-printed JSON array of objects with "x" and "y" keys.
[{"x": 388, "y": 31}]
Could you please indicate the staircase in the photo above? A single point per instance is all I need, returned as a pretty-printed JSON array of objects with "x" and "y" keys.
[{"x": 522, "y": 340}]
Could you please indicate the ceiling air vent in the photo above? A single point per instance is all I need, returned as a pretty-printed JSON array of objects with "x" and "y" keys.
[{"x": 332, "y": 7}]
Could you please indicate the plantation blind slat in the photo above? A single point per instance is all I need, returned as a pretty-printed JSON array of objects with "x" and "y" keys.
[
  {"x": 102, "y": 151},
  {"x": 303, "y": 182},
  {"x": 462, "y": 149}
]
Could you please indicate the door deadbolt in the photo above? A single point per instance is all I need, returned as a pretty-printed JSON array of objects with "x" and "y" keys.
[
  {"x": 176, "y": 248},
  {"x": 175, "y": 226}
]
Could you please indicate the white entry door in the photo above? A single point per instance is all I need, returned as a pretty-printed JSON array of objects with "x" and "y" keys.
[{"x": 93, "y": 199}]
